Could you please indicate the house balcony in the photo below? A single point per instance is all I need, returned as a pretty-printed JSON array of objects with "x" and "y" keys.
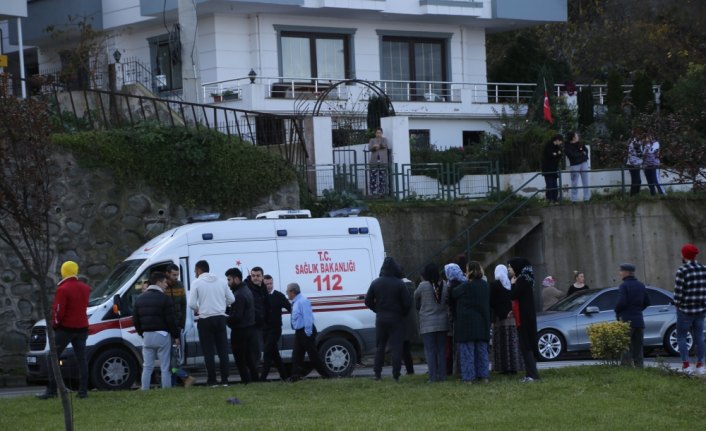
[{"x": 409, "y": 98}]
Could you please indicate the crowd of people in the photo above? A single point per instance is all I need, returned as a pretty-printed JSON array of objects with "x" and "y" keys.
[
  {"x": 456, "y": 309},
  {"x": 642, "y": 155}
]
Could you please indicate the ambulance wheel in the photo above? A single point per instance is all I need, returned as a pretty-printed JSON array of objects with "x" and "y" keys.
[
  {"x": 339, "y": 356},
  {"x": 114, "y": 369}
]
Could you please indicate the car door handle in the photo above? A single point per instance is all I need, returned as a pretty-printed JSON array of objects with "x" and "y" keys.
[{"x": 664, "y": 310}]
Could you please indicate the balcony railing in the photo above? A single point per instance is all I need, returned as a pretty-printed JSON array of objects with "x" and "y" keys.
[{"x": 398, "y": 90}]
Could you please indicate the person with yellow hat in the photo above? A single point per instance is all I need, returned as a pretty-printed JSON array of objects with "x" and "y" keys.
[{"x": 70, "y": 323}]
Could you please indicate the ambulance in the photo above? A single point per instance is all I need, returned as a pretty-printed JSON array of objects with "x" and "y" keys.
[{"x": 333, "y": 260}]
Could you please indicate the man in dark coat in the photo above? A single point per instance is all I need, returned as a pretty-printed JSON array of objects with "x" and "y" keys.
[
  {"x": 632, "y": 299},
  {"x": 390, "y": 300},
  {"x": 550, "y": 167},
  {"x": 273, "y": 329},
  {"x": 522, "y": 295},
  {"x": 153, "y": 318},
  {"x": 241, "y": 320},
  {"x": 256, "y": 283}
]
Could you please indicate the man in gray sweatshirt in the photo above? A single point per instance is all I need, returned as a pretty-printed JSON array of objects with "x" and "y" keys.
[{"x": 209, "y": 298}]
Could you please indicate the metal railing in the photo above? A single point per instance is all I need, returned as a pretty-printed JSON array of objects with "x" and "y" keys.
[
  {"x": 282, "y": 87},
  {"x": 467, "y": 180},
  {"x": 102, "y": 109}
]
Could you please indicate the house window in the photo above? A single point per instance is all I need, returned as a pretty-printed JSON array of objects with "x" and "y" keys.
[
  {"x": 419, "y": 139},
  {"x": 418, "y": 64},
  {"x": 315, "y": 55}
]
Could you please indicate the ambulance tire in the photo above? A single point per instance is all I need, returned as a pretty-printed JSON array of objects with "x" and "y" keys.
[
  {"x": 339, "y": 356},
  {"x": 114, "y": 369}
]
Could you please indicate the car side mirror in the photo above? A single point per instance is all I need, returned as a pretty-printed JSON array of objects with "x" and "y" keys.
[
  {"x": 592, "y": 310},
  {"x": 116, "y": 305}
]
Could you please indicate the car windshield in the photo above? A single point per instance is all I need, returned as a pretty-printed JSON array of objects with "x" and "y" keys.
[
  {"x": 573, "y": 302},
  {"x": 120, "y": 275}
]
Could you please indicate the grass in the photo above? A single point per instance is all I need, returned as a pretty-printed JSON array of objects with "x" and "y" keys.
[{"x": 589, "y": 397}]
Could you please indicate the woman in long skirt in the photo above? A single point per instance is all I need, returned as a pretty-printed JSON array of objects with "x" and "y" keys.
[{"x": 506, "y": 353}]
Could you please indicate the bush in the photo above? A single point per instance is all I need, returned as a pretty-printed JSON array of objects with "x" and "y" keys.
[
  {"x": 609, "y": 340},
  {"x": 192, "y": 167}
]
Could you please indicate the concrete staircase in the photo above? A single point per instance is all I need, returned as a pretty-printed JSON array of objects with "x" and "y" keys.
[{"x": 501, "y": 241}]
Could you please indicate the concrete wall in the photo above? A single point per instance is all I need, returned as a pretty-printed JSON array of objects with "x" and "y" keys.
[{"x": 593, "y": 238}]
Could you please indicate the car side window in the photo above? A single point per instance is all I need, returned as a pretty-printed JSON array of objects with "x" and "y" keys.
[
  {"x": 605, "y": 301},
  {"x": 658, "y": 298}
]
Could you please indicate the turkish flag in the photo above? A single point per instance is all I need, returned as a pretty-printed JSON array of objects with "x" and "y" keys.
[{"x": 547, "y": 109}]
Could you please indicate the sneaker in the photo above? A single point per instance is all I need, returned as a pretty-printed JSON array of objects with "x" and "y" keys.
[
  {"x": 189, "y": 381},
  {"x": 214, "y": 385},
  {"x": 687, "y": 370},
  {"x": 700, "y": 371},
  {"x": 526, "y": 380}
]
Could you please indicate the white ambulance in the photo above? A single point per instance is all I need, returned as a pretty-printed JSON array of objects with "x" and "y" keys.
[{"x": 332, "y": 259}]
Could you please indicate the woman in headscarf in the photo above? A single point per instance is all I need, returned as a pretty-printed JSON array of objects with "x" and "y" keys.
[
  {"x": 431, "y": 301},
  {"x": 472, "y": 325},
  {"x": 522, "y": 295},
  {"x": 506, "y": 349},
  {"x": 454, "y": 277}
]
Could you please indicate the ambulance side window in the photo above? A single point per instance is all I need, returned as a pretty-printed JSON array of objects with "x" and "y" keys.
[{"x": 127, "y": 301}]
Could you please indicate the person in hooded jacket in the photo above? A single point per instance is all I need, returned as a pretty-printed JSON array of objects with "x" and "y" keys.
[
  {"x": 522, "y": 295},
  {"x": 389, "y": 299}
]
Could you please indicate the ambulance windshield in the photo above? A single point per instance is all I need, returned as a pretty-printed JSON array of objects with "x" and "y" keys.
[{"x": 120, "y": 275}]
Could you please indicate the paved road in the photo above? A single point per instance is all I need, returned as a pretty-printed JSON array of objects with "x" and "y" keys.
[{"x": 363, "y": 371}]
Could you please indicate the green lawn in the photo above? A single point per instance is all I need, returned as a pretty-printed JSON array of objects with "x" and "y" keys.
[{"x": 590, "y": 397}]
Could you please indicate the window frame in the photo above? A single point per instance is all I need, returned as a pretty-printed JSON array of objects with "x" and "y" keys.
[
  {"x": 346, "y": 35},
  {"x": 417, "y": 93}
]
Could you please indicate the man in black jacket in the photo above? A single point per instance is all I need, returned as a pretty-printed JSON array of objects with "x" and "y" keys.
[
  {"x": 276, "y": 301},
  {"x": 390, "y": 300},
  {"x": 632, "y": 299},
  {"x": 259, "y": 292},
  {"x": 241, "y": 321},
  {"x": 155, "y": 321}
]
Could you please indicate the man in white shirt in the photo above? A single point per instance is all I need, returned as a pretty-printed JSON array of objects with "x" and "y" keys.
[{"x": 209, "y": 298}]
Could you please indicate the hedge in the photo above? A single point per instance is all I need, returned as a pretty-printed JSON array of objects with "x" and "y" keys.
[{"x": 191, "y": 167}]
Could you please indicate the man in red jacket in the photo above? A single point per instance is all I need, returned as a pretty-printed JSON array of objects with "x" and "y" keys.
[{"x": 70, "y": 323}]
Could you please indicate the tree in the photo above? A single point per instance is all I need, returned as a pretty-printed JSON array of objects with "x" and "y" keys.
[
  {"x": 641, "y": 93},
  {"x": 27, "y": 202},
  {"x": 585, "y": 102},
  {"x": 86, "y": 50}
]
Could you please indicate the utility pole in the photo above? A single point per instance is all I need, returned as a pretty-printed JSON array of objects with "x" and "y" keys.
[{"x": 190, "y": 72}]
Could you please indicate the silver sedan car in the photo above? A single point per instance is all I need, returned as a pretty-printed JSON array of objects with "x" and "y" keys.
[{"x": 562, "y": 328}]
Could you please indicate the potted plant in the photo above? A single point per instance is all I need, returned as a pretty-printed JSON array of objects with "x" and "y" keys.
[
  {"x": 229, "y": 95},
  {"x": 217, "y": 97}
]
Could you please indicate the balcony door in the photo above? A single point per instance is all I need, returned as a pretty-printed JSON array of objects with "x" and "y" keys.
[{"x": 414, "y": 60}]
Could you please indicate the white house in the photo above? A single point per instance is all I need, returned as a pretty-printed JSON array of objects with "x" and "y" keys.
[{"x": 427, "y": 55}]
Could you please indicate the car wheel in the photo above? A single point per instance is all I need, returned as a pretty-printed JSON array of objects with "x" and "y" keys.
[
  {"x": 339, "y": 356},
  {"x": 114, "y": 369},
  {"x": 550, "y": 345},
  {"x": 670, "y": 341}
]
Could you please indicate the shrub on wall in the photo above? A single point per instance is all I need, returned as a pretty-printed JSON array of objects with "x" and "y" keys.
[{"x": 192, "y": 167}]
